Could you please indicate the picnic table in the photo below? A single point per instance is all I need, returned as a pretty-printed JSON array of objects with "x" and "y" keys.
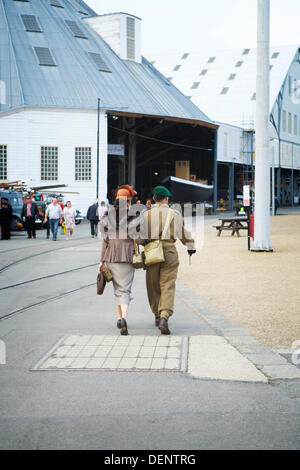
[{"x": 234, "y": 224}]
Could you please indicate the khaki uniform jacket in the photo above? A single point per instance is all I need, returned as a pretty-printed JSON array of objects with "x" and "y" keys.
[{"x": 154, "y": 223}]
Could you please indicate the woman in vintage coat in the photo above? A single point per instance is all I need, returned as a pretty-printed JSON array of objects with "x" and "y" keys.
[{"x": 117, "y": 251}]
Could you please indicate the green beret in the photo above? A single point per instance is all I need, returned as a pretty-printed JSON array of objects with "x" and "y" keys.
[{"x": 161, "y": 191}]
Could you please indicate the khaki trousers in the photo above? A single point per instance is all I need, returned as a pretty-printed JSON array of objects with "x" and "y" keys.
[{"x": 160, "y": 280}]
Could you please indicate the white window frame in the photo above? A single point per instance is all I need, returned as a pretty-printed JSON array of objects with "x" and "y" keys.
[
  {"x": 83, "y": 173},
  {"x": 5, "y": 167},
  {"x": 46, "y": 172}
]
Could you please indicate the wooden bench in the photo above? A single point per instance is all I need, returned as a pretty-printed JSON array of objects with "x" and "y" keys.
[{"x": 233, "y": 224}]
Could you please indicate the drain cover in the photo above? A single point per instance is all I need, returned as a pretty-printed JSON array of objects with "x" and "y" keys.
[{"x": 122, "y": 353}]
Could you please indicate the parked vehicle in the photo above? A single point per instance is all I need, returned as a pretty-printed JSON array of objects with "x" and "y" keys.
[{"x": 15, "y": 199}]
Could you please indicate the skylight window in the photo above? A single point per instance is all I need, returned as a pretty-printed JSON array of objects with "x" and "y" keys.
[
  {"x": 232, "y": 76},
  {"x": 211, "y": 60},
  {"x": 177, "y": 67},
  {"x": 275, "y": 55},
  {"x": 185, "y": 56},
  {"x": 203, "y": 72},
  {"x": 239, "y": 63},
  {"x": 195, "y": 85},
  {"x": 253, "y": 97},
  {"x": 246, "y": 51}
]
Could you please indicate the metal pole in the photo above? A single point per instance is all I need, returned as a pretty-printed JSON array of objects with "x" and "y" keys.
[
  {"x": 273, "y": 180},
  {"x": 215, "y": 197},
  {"x": 262, "y": 160},
  {"x": 98, "y": 149}
]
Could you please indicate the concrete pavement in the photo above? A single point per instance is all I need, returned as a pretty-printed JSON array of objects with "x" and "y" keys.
[{"x": 208, "y": 405}]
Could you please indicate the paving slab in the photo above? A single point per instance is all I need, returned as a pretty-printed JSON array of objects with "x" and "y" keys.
[{"x": 214, "y": 358}]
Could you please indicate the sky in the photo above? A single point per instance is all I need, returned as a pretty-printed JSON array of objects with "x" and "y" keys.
[{"x": 191, "y": 25}]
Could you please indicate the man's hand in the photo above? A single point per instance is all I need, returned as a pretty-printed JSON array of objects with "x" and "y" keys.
[{"x": 191, "y": 252}]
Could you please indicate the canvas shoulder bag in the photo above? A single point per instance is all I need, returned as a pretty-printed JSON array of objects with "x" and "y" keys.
[
  {"x": 138, "y": 258},
  {"x": 154, "y": 252}
]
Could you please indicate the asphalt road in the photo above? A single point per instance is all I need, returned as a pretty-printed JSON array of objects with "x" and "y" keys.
[{"x": 108, "y": 409}]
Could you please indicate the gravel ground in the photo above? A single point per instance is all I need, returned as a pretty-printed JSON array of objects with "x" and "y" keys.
[{"x": 258, "y": 290}]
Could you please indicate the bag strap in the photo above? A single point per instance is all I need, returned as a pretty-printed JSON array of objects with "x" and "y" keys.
[{"x": 167, "y": 224}]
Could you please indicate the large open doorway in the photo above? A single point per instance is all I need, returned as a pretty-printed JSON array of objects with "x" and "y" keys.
[{"x": 152, "y": 148}]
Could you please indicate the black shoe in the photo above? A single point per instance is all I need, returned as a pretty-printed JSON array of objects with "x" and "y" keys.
[
  {"x": 164, "y": 327},
  {"x": 157, "y": 321},
  {"x": 119, "y": 324},
  {"x": 124, "y": 331}
]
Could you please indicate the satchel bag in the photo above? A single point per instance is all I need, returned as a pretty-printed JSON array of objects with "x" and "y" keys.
[
  {"x": 101, "y": 282},
  {"x": 154, "y": 252},
  {"x": 138, "y": 258},
  {"x": 106, "y": 273}
]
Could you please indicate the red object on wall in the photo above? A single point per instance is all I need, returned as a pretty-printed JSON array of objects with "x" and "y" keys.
[{"x": 251, "y": 225}]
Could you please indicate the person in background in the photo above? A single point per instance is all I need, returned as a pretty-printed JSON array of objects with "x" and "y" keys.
[
  {"x": 92, "y": 216},
  {"x": 69, "y": 217},
  {"x": 54, "y": 214},
  {"x": 47, "y": 224},
  {"x": 102, "y": 210},
  {"x": 148, "y": 205},
  {"x": 29, "y": 213},
  {"x": 5, "y": 219}
]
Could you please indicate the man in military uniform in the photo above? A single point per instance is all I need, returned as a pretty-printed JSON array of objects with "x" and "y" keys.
[{"x": 161, "y": 277}]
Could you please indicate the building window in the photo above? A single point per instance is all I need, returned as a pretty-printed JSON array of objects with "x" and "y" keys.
[
  {"x": 253, "y": 97},
  {"x": 49, "y": 163},
  {"x": 290, "y": 123},
  {"x": 295, "y": 124},
  {"x": 83, "y": 163},
  {"x": 284, "y": 121},
  {"x": 3, "y": 162}
]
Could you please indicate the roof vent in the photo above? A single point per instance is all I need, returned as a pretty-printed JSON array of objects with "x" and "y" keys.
[
  {"x": 44, "y": 56},
  {"x": 75, "y": 29},
  {"x": 31, "y": 24},
  {"x": 99, "y": 61},
  {"x": 56, "y": 3},
  {"x": 121, "y": 31}
]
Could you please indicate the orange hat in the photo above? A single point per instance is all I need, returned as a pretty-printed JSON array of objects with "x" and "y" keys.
[{"x": 125, "y": 191}]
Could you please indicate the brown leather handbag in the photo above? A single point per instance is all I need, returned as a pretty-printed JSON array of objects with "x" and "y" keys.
[{"x": 101, "y": 282}]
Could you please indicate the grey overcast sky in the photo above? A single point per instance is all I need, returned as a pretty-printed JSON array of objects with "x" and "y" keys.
[{"x": 191, "y": 25}]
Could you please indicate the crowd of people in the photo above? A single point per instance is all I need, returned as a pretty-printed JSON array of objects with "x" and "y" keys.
[{"x": 124, "y": 225}]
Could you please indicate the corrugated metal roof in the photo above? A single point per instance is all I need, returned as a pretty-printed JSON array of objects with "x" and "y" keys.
[
  {"x": 76, "y": 81},
  {"x": 226, "y": 91}
]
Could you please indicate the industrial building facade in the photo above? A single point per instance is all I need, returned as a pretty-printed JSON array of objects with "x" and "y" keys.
[
  {"x": 80, "y": 106},
  {"x": 223, "y": 85}
]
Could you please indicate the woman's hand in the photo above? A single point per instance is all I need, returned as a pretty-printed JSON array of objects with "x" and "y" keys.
[{"x": 99, "y": 267}]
